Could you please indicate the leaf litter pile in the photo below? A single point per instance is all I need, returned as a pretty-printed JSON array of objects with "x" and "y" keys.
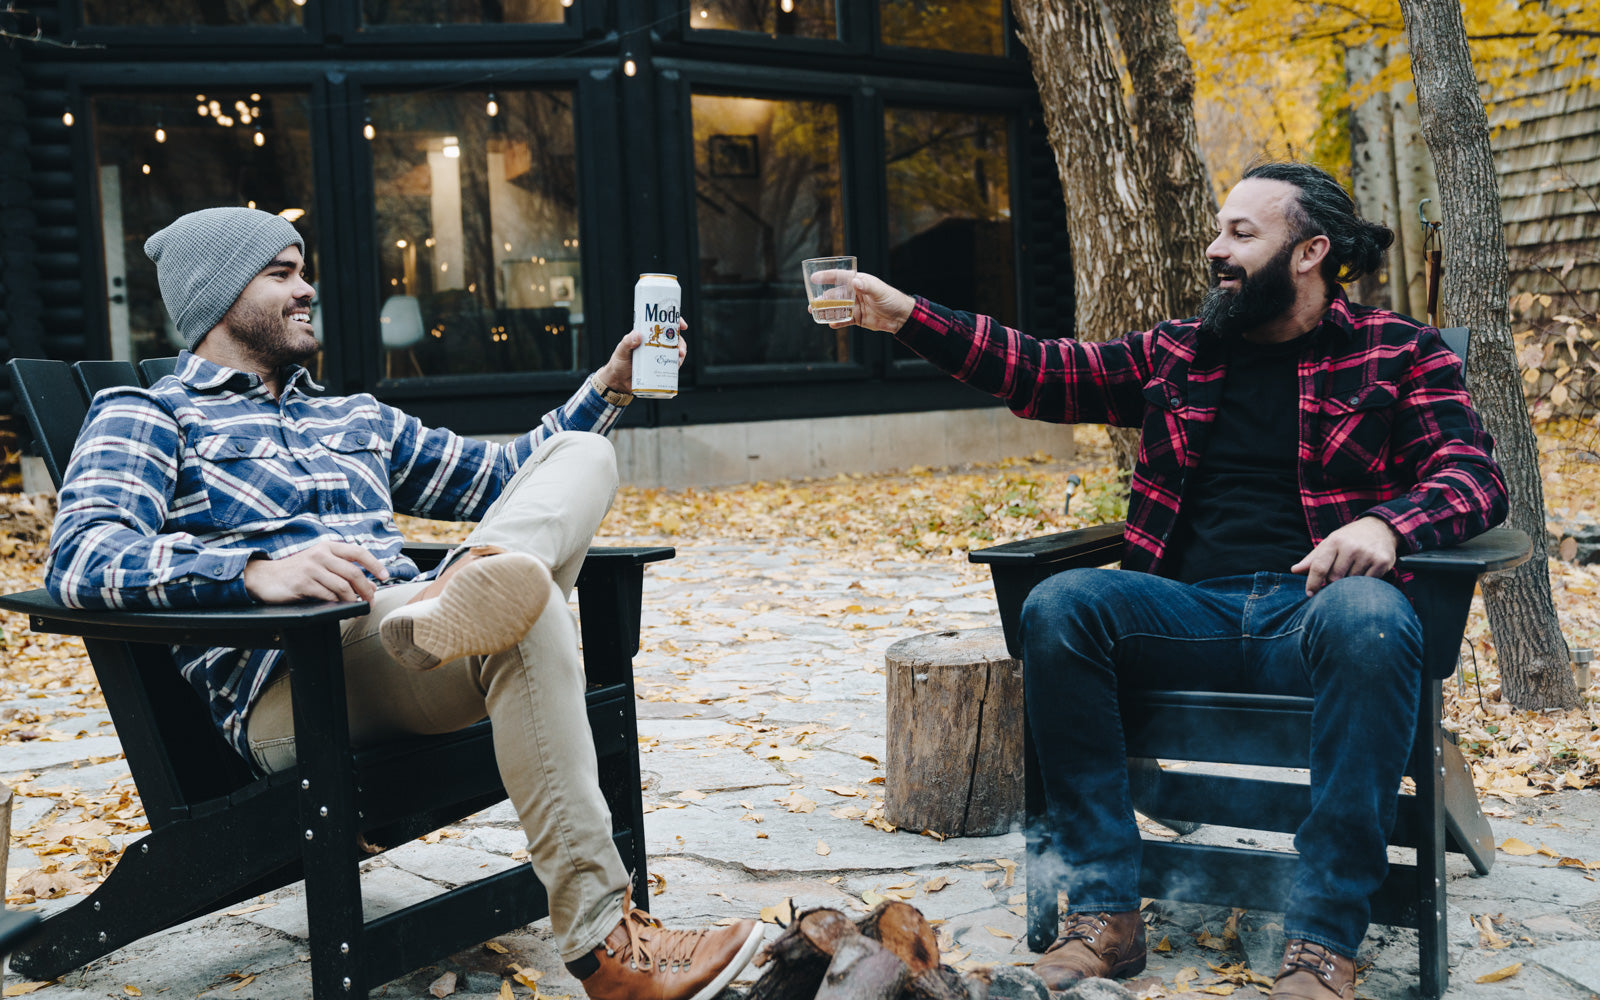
[{"x": 919, "y": 517}]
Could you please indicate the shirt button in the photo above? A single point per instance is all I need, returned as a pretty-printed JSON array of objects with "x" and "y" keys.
[
  {"x": 216, "y": 571},
  {"x": 1352, "y": 400}
]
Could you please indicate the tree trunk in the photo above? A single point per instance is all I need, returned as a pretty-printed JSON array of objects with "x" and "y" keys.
[
  {"x": 1413, "y": 182},
  {"x": 1371, "y": 163},
  {"x": 1527, "y": 635},
  {"x": 1117, "y": 252},
  {"x": 1175, "y": 175}
]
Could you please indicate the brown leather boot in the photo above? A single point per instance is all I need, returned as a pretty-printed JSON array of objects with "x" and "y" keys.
[
  {"x": 1312, "y": 972},
  {"x": 1094, "y": 946},
  {"x": 483, "y": 603},
  {"x": 642, "y": 960}
]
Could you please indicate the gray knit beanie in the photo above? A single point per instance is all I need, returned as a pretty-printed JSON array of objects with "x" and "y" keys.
[{"x": 204, "y": 260}]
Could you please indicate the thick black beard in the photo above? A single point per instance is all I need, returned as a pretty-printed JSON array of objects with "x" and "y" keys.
[{"x": 1260, "y": 298}]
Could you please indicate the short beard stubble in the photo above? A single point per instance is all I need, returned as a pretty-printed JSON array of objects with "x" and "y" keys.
[{"x": 268, "y": 335}]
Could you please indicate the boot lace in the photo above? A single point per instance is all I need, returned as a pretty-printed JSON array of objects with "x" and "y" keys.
[
  {"x": 653, "y": 948},
  {"x": 1304, "y": 956},
  {"x": 1082, "y": 927}
]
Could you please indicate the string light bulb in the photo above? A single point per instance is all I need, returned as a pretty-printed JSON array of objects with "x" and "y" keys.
[
  {"x": 629, "y": 67},
  {"x": 67, "y": 119},
  {"x": 260, "y": 140},
  {"x": 368, "y": 131},
  {"x": 161, "y": 133},
  {"x": 493, "y": 107},
  {"x": 788, "y": 6},
  {"x": 145, "y": 169}
]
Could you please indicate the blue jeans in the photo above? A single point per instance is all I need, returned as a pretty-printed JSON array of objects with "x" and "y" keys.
[{"x": 1355, "y": 648}]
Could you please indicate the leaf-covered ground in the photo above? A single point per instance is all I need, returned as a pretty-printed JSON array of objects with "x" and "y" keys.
[{"x": 923, "y": 516}]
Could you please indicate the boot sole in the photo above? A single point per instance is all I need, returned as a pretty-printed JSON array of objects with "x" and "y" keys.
[
  {"x": 485, "y": 609},
  {"x": 734, "y": 967}
]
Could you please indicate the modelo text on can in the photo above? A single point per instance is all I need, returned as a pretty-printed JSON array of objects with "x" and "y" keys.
[{"x": 656, "y": 299}]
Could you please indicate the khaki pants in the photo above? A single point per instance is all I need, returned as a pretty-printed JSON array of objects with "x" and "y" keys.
[{"x": 533, "y": 693}]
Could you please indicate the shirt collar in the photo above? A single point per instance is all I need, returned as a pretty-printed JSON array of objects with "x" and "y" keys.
[{"x": 207, "y": 376}]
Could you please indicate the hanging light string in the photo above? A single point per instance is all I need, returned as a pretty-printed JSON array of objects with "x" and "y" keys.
[{"x": 227, "y": 117}]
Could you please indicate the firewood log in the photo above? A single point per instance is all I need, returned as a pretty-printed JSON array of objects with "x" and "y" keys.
[
  {"x": 943, "y": 983},
  {"x": 904, "y": 931},
  {"x": 1006, "y": 982},
  {"x": 863, "y": 969},
  {"x": 797, "y": 959}
]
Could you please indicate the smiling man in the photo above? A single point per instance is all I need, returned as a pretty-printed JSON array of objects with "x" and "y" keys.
[
  {"x": 1293, "y": 444},
  {"x": 229, "y": 482}
]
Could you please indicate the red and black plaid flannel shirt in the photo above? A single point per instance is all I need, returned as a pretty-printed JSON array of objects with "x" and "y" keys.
[{"x": 1386, "y": 428}]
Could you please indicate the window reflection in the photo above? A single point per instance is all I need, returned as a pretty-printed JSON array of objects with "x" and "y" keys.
[
  {"x": 477, "y": 233},
  {"x": 768, "y": 197},
  {"x": 378, "y": 12},
  {"x": 950, "y": 210},
  {"x": 198, "y": 13},
  {"x": 961, "y": 26},
  {"x": 801, "y": 18},
  {"x": 167, "y": 154}
]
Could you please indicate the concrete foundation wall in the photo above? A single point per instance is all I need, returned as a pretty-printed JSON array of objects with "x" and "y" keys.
[{"x": 720, "y": 454}]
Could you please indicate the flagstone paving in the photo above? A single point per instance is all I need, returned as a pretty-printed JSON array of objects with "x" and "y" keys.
[{"x": 762, "y": 739}]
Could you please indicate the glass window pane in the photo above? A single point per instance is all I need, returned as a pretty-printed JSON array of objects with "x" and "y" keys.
[
  {"x": 798, "y": 18},
  {"x": 950, "y": 210},
  {"x": 956, "y": 25},
  {"x": 477, "y": 232},
  {"x": 194, "y": 13},
  {"x": 464, "y": 11},
  {"x": 160, "y": 157},
  {"x": 768, "y": 196}
]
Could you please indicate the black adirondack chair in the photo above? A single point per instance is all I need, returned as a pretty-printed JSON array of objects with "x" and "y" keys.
[
  {"x": 1274, "y": 731},
  {"x": 220, "y": 834}
]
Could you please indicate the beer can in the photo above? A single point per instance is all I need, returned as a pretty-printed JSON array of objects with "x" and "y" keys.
[{"x": 656, "y": 299}]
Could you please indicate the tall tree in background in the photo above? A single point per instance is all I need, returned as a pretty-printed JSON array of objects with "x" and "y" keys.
[
  {"x": 1527, "y": 636},
  {"x": 1138, "y": 199}
]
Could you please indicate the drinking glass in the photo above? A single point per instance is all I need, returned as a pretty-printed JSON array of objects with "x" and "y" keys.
[{"x": 828, "y": 288}]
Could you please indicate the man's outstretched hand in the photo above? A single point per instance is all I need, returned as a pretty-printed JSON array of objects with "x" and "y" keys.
[
  {"x": 879, "y": 305},
  {"x": 328, "y": 571},
  {"x": 1364, "y": 547}
]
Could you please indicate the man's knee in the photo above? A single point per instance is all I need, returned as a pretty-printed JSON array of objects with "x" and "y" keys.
[
  {"x": 593, "y": 451},
  {"x": 1063, "y": 603},
  {"x": 1367, "y": 622}
]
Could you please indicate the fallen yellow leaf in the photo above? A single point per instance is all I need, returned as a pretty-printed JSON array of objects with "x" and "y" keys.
[
  {"x": 132, "y": 991},
  {"x": 505, "y": 990},
  {"x": 691, "y": 795},
  {"x": 1499, "y": 974},
  {"x": 936, "y": 883},
  {"x": 246, "y": 981},
  {"x": 823, "y": 849},
  {"x": 1164, "y": 945},
  {"x": 496, "y": 947},
  {"x": 1517, "y": 847}
]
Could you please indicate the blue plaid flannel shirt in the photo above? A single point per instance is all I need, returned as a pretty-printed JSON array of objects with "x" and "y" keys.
[{"x": 171, "y": 490}]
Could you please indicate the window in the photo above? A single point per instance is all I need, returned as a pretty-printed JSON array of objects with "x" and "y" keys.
[
  {"x": 477, "y": 232},
  {"x": 768, "y": 196},
  {"x": 949, "y": 210},
  {"x": 976, "y": 26},
  {"x": 194, "y": 13},
  {"x": 162, "y": 155},
  {"x": 787, "y": 18},
  {"x": 381, "y": 12}
]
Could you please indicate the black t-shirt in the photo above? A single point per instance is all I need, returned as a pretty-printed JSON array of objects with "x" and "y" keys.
[{"x": 1241, "y": 510}]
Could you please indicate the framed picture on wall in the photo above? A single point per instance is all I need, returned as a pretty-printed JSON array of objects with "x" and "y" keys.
[
  {"x": 563, "y": 288},
  {"x": 733, "y": 155}
]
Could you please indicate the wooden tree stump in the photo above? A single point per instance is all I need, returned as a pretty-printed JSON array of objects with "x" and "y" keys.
[{"x": 954, "y": 734}]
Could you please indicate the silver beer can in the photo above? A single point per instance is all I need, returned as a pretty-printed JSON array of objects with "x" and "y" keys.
[{"x": 656, "y": 300}]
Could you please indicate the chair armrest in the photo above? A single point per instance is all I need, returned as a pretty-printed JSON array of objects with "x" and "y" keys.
[
  {"x": 260, "y": 627},
  {"x": 1495, "y": 549},
  {"x": 1101, "y": 543},
  {"x": 610, "y": 597},
  {"x": 1017, "y": 567}
]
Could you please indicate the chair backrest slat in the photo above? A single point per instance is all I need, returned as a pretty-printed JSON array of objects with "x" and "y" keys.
[
  {"x": 156, "y": 369},
  {"x": 96, "y": 375},
  {"x": 52, "y": 402}
]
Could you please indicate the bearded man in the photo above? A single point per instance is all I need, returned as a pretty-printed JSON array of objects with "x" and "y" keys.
[{"x": 1292, "y": 445}]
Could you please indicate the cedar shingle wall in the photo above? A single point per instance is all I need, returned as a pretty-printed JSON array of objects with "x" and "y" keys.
[{"x": 1549, "y": 168}]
